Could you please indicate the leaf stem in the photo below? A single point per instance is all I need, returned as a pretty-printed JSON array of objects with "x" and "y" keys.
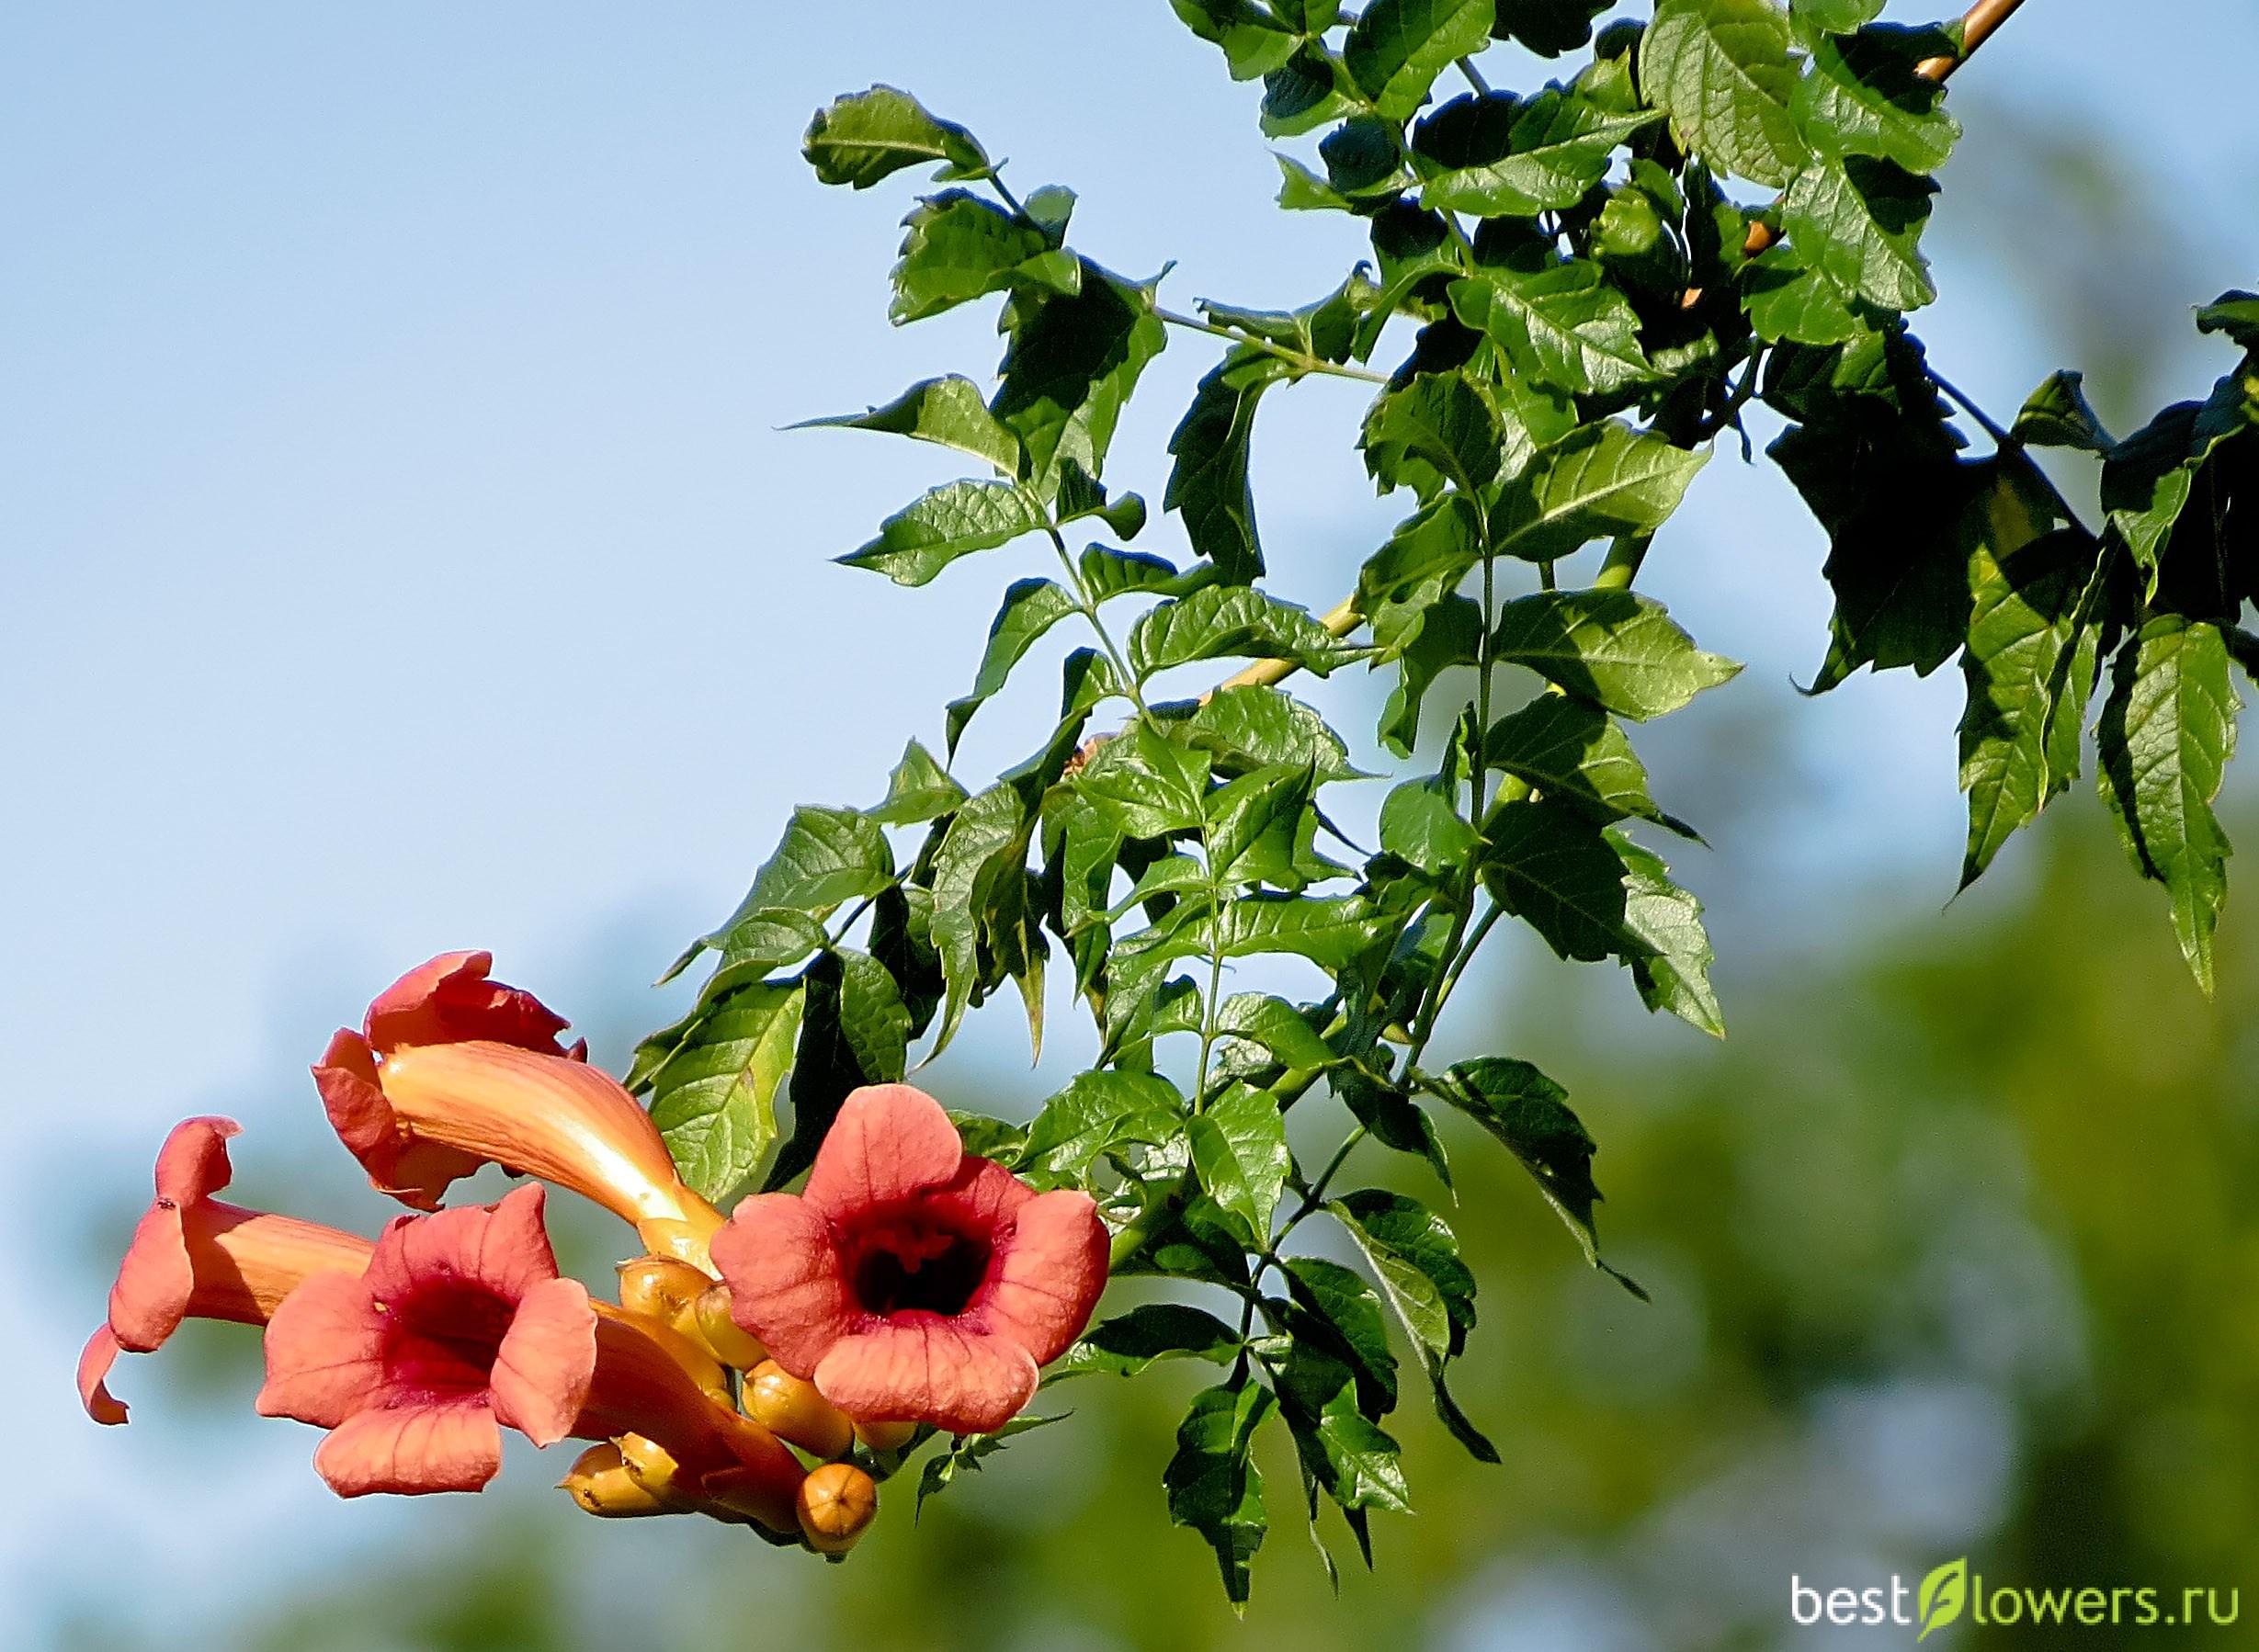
[
  {"x": 1474, "y": 76},
  {"x": 2005, "y": 443},
  {"x": 1625, "y": 552},
  {"x": 1316, "y": 1195},
  {"x": 1089, "y": 605},
  {"x": 1301, "y": 361}
]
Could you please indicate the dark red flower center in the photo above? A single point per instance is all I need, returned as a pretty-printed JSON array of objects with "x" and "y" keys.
[
  {"x": 914, "y": 1262},
  {"x": 442, "y": 1342}
]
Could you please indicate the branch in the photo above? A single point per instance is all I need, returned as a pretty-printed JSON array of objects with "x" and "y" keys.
[
  {"x": 1301, "y": 361},
  {"x": 1342, "y": 619}
]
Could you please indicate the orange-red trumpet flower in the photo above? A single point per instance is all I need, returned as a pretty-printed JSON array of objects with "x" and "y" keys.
[
  {"x": 913, "y": 1281},
  {"x": 196, "y": 1257},
  {"x": 452, "y": 1070}
]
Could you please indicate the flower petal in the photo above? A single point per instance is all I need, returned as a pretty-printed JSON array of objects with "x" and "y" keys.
[
  {"x": 983, "y": 1197},
  {"x": 501, "y": 1247},
  {"x": 193, "y": 1162},
  {"x": 94, "y": 1362},
  {"x": 919, "y": 1367},
  {"x": 549, "y": 1354},
  {"x": 155, "y": 1281},
  {"x": 777, "y": 1254},
  {"x": 1052, "y": 1271},
  {"x": 412, "y": 1449},
  {"x": 889, "y": 1141},
  {"x": 325, "y": 1352},
  {"x": 449, "y": 999},
  {"x": 415, "y": 1172}
]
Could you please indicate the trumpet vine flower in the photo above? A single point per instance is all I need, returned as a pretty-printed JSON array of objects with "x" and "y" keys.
[
  {"x": 913, "y": 1281},
  {"x": 196, "y": 1257},
  {"x": 451, "y": 1070}
]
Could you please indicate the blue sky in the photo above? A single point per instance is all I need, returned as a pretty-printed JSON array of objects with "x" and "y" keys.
[{"x": 401, "y": 550}]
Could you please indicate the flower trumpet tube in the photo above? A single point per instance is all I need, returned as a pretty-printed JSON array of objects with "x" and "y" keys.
[
  {"x": 912, "y": 1281},
  {"x": 452, "y": 1070},
  {"x": 196, "y": 1257},
  {"x": 461, "y": 1325}
]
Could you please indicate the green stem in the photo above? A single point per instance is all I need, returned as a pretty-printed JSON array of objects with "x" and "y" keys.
[
  {"x": 1301, "y": 361},
  {"x": 2006, "y": 442},
  {"x": 1089, "y": 605},
  {"x": 1625, "y": 552},
  {"x": 1474, "y": 76},
  {"x": 1316, "y": 1195}
]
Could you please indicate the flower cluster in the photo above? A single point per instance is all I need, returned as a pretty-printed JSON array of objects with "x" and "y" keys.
[{"x": 760, "y": 1369}]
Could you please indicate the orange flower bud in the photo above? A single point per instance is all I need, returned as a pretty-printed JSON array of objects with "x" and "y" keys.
[
  {"x": 652, "y": 1469},
  {"x": 791, "y": 1409},
  {"x": 886, "y": 1436},
  {"x": 600, "y": 1483},
  {"x": 837, "y": 1503},
  {"x": 722, "y": 1334},
  {"x": 660, "y": 1287}
]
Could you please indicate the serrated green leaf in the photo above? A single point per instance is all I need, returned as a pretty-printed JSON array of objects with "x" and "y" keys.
[
  {"x": 1549, "y": 865},
  {"x": 1419, "y": 824},
  {"x": 2057, "y": 415},
  {"x": 826, "y": 856},
  {"x": 1107, "y": 572},
  {"x": 2166, "y": 734},
  {"x": 1341, "y": 1449},
  {"x": 1416, "y": 1256},
  {"x": 1787, "y": 299},
  {"x": 1833, "y": 16},
  {"x": 1277, "y": 1026},
  {"x": 1617, "y": 649},
  {"x": 1213, "y": 1483},
  {"x": 1070, "y": 366},
  {"x": 1556, "y": 149},
  {"x": 1549, "y": 28},
  {"x": 948, "y": 412},
  {"x": 1399, "y": 47},
  {"x": 1253, "y": 42},
  {"x": 2148, "y": 477},
  {"x": 2030, "y": 667},
  {"x": 1098, "y": 1113},
  {"x": 864, "y": 138},
  {"x": 872, "y": 1018},
  {"x": 968, "y": 1453},
  {"x": 1445, "y": 421},
  {"x": 1722, "y": 71},
  {"x": 960, "y": 247},
  {"x": 918, "y": 790},
  {"x": 1353, "y": 1318},
  {"x": 1861, "y": 97},
  {"x": 1448, "y": 633},
  {"x": 714, "y": 1098},
  {"x": 1255, "y": 724},
  {"x": 1568, "y": 748},
  {"x": 1604, "y": 480},
  {"x": 1671, "y": 955},
  {"x": 1030, "y": 607},
  {"x": 1208, "y": 485},
  {"x": 987, "y": 839},
  {"x": 1530, "y": 1114},
  {"x": 1127, "y": 1344},
  {"x": 1565, "y": 325},
  {"x": 1239, "y": 1149},
  {"x": 946, "y": 523},
  {"x": 1145, "y": 784},
  {"x": 1858, "y": 222},
  {"x": 1222, "y": 622},
  {"x": 1311, "y": 89},
  {"x": 1241, "y": 814}
]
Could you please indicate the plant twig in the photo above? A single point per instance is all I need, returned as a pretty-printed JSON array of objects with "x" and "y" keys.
[
  {"x": 1341, "y": 619},
  {"x": 1301, "y": 361}
]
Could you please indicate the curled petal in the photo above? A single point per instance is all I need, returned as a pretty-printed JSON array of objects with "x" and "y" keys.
[
  {"x": 415, "y": 1172},
  {"x": 920, "y": 1367},
  {"x": 156, "y": 1281},
  {"x": 785, "y": 1286},
  {"x": 412, "y": 1449},
  {"x": 94, "y": 1362},
  {"x": 193, "y": 1162},
  {"x": 450, "y": 1000},
  {"x": 324, "y": 1352},
  {"x": 542, "y": 1370},
  {"x": 503, "y": 1249},
  {"x": 982, "y": 1198},
  {"x": 889, "y": 1142},
  {"x": 1052, "y": 1271}
]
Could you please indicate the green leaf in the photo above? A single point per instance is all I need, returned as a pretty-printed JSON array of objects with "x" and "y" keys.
[
  {"x": 1239, "y": 1148},
  {"x": 949, "y": 522},
  {"x": 1530, "y": 1114},
  {"x": 1306, "y": 92},
  {"x": 1253, "y": 42},
  {"x": 1220, "y": 622},
  {"x": 1030, "y": 607},
  {"x": 714, "y": 1099},
  {"x": 873, "y": 1020},
  {"x": 1862, "y": 97},
  {"x": 1571, "y": 749},
  {"x": 960, "y": 247},
  {"x": 2147, "y": 479},
  {"x": 986, "y": 1137},
  {"x": 1246, "y": 811},
  {"x": 1549, "y": 865},
  {"x": 1208, "y": 486},
  {"x": 1098, "y": 1113},
  {"x": 1449, "y": 633},
  {"x": 1943, "y": 1595},
  {"x": 1145, "y": 784},
  {"x": 986, "y": 841},
  {"x": 1445, "y": 421},
  {"x": 1351, "y": 1315},
  {"x": 1416, "y": 1256},
  {"x": 1549, "y": 28},
  {"x": 1341, "y": 1448},
  {"x": 1557, "y": 147},
  {"x": 1213, "y": 1483},
  {"x": 968, "y": 1453},
  {"x": 1604, "y": 480},
  {"x": 948, "y": 412},
  {"x": 2057, "y": 415},
  {"x": 1722, "y": 71},
  {"x": 1565, "y": 324},
  {"x": 1617, "y": 649},
  {"x": 1254, "y": 725},
  {"x": 1859, "y": 220},
  {"x": 1277, "y": 1026},
  {"x": 1429, "y": 554},
  {"x": 1420, "y": 824},
  {"x": 1671, "y": 955},
  {"x": 1129, "y": 1343},
  {"x": 918, "y": 790},
  {"x": 1833, "y": 16},
  {"x": 826, "y": 857},
  {"x": 2166, "y": 733},
  {"x": 1107, "y": 573},
  {"x": 1788, "y": 300},
  {"x": 2235, "y": 313},
  {"x": 2030, "y": 667},
  {"x": 1071, "y": 366},
  {"x": 1399, "y": 47},
  {"x": 869, "y": 136}
]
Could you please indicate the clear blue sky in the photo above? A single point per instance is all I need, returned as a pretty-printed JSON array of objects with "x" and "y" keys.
[{"x": 401, "y": 552}]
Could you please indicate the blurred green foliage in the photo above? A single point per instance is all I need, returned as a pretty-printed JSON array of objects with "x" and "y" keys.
[{"x": 1954, "y": 1246}]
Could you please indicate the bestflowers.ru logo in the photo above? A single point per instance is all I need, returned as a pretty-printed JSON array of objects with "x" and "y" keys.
[{"x": 1953, "y": 1592}]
